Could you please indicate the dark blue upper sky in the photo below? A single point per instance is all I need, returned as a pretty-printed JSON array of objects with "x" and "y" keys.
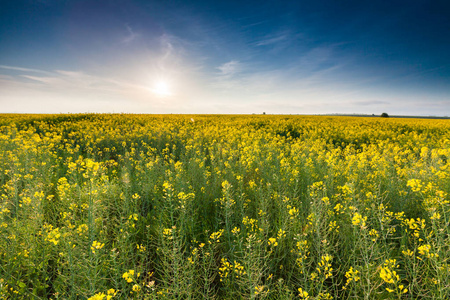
[{"x": 228, "y": 56}]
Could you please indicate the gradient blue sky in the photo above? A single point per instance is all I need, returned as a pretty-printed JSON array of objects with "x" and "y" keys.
[{"x": 291, "y": 57}]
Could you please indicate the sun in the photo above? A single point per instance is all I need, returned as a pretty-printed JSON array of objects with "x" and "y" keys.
[{"x": 162, "y": 88}]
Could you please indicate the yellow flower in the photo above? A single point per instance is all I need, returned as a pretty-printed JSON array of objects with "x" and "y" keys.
[
  {"x": 83, "y": 228},
  {"x": 225, "y": 269},
  {"x": 53, "y": 234},
  {"x": 408, "y": 253},
  {"x": 272, "y": 242},
  {"x": 388, "y": 275},
  {"x": 259, "y": 289},
  {"x": 136, "y": 288},
  {"x": 332, "y": 226},
  {"x": 133, "y": 217},
  {"x": 129, "y": 276},
  {"x": 358, "y": 220},
  {"x": 96, "y": 246},
  {"x": 141, "y": 248},
  {"x": 325, "y": 266},
  {"x": 293, "y": 211},
  {"x": 167, "y": 232},
  {"x": 436, "y": 216},
  {"x": 338, "y": 207},
  {"x": 351, "y": 275},
  {"x": 98, "y": 296},
  {"x": 424, "y": 249},
  {"x": 303, "y": 294},
  {"x": 415, "y": 185},
  {"x": 215, "y": 236},
  {"x": 374, "y": 234},
  {"x": 281, "y": 234},
  {"x": 111, "y": 293}
]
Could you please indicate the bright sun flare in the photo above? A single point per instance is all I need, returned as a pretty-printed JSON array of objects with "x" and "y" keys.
[{"x": 162, "y": 89}]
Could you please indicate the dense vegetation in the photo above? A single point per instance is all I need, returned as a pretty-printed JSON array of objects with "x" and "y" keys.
[{"x": 193, "y": 207}]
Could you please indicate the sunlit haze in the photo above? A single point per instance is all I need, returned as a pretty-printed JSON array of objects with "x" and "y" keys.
[
  {"x": 288, "y": 57},
  {"x": 161, "y": 88}
]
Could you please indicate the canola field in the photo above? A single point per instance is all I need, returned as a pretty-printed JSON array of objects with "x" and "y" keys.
[{"x": 97, "y": 206}]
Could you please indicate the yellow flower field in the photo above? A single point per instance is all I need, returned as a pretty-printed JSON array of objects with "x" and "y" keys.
[{"x": 97, "y": 206}]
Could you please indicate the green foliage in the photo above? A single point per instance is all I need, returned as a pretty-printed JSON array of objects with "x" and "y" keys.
[{"x": 219, "y": 207}]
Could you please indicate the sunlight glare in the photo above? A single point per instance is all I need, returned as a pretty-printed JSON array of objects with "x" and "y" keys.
[{"x": 162, "y": 89}]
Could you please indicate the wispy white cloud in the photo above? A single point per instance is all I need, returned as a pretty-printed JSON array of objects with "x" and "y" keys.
[
  {"x": 72, "y": 91},
  {"x": 315, "y": 57},
  {"x": 44, "y": 80},
  {"x": 23, "y": 69},
  {"x": 123, "y": 86},
  {"x": 131, "y": 35},
  {"x": 73, "y": 74},
  {"x": 272, "y": 39},
  {"x": 63, "y": 80},
  {"x": 369, "y": 102},
  {"x": 228, "y": 79},
  {"x": 229, "y": 68},
  {"x": 311, "y": 72},
  {"x": 167, "y": 56}
]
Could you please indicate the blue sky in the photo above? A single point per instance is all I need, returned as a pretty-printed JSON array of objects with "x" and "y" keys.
[{"x": 290, "y": 57}]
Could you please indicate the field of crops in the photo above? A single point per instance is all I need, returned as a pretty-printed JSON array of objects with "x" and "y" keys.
[{"x": 223, "y": 207}]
